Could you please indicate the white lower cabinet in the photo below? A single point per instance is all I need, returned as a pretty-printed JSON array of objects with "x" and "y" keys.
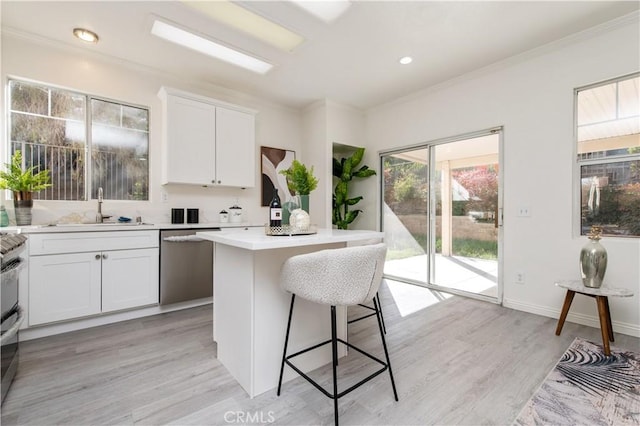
[
  {"x": 129, "y": 278},
  {"x": 64, "y": 286}
]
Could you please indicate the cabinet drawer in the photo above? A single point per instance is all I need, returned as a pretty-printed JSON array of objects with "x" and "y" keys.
[{"x": 76, "y": 242}]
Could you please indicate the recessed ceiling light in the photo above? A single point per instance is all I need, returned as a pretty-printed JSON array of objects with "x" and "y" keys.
[
  {"x": 251, "y": 23},
  {"x": 208, "y": 47},
  {"x": 85, "y": 35},
  {"x": 405, "y": 60},
  {"x": 327, "y": 10}
]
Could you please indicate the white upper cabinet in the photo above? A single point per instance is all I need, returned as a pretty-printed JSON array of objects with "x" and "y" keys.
[{"x": 206, "y": 142}]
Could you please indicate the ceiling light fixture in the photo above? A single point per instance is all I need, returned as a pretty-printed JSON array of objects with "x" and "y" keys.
[
  {"x": 248, "y": 22},
  {"x": 200, "y": 44},
  {"x": 85, "y": 35},
  {"x": 328, "y": 11},
  {"x": 405, "y": 60}
]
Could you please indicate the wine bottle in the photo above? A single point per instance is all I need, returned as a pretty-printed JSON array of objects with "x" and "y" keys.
[{"x": 275, "y": 210}]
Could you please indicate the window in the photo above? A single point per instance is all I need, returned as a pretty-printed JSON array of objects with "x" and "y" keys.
[
  {"x": 77, "y": 136},
  {"x": 608, "y": 148}
]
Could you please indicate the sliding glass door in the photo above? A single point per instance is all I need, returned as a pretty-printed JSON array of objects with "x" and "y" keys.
[{"x": 441, "y": 214}]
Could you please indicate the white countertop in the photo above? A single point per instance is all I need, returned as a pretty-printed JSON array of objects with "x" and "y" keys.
[
  {"x": 256, "y": 239},
  {"x": 92, "y": 227}
]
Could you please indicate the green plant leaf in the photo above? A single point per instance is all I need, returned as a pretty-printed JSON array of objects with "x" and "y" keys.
[
  {"x": 337, "y": 168},
  {"x": 351, "y": 216},
  {"x": 341, "y": 193},
  {"x": 353, "y": 201},
  {"x": 346, "y": 170},
  {"x": 364, "y": 171},
  {"x": 356, "y": 157}
]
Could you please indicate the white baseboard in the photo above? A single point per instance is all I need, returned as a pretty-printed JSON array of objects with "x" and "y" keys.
[
  {"x": 589, "y": 320},
  {"x": 79, "y": 324}
]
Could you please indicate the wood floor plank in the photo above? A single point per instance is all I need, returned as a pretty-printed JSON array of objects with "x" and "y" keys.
[{"x": 459, "y": 361}]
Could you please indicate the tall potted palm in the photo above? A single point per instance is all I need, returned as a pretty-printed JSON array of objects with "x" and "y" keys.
[{"x": 23, "y": 183}]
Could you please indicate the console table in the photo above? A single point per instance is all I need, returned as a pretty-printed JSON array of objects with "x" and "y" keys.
[{"x": 602, "y": 300}]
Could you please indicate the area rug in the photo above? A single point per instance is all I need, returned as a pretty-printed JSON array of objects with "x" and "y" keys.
[{"x": 586, "y": 387}]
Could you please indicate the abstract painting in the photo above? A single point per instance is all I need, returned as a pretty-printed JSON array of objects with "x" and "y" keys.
[{"x": 273, "y": 161}]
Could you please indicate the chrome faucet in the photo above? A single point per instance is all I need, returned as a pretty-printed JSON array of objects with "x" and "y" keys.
[{"x": 99, "y": 216}]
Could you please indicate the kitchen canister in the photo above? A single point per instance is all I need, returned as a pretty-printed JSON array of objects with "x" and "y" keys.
[
  {"x": 224, "y": 216},
  {"x": 235, "y": 214},
  {"x": 177, "y": 215}
]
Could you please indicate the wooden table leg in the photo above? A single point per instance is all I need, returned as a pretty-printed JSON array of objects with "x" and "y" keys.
[
  {"x": 610, "y": 327},
  {"x": 565, "y": 310},
  {"x": 604, "y": 324}
]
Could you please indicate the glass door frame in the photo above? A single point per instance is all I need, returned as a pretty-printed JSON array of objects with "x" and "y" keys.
[{"x": 431, "y": 208}]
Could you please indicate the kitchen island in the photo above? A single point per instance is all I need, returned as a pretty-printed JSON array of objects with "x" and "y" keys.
[{"x": 250, "y": 309}]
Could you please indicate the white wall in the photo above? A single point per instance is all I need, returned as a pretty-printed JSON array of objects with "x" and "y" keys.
[
  {"x": 532, "y": 97},
  {"x": 67, "y": 67}
]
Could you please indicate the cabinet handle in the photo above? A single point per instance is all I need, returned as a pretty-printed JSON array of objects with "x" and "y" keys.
[
  {"x": 213, "y": 181},
  {"x": 97, "y": 257},
  {"x": 105, "y": 256},
  {"x": 219, "y": 181}
]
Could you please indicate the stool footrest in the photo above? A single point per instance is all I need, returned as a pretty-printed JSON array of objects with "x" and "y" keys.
[{"x": 346, "y": 391}]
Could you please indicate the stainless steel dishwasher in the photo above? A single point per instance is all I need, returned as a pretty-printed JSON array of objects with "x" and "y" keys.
[{"x": 186, "y": 265}]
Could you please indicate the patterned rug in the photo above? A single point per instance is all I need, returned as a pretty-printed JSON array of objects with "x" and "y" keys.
[{"x": 586, "y": 387}]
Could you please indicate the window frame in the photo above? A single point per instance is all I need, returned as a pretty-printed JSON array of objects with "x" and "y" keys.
[
  {"x": 578, "y": 163},
  {"x": 88, "y": 124}
]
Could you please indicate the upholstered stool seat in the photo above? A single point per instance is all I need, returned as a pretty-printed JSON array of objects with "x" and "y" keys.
[{"x": 338, "y": 277}]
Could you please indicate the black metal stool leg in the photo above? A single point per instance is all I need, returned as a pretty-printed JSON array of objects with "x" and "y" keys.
[
  {"x": 384, "y": 327},
  {"x": 334, "y": 351},
  {"x": 386, "y": 352},
  {"x": 286, "y": 342}
]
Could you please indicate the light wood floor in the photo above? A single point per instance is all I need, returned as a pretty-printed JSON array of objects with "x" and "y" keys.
[{"x": 457, "y": 362}]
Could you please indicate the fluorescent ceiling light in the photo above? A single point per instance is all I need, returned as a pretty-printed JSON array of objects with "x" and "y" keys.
[
  {"x": 208, "y": 47},
  {"x": 248, "y": 22},
  {"x": 327, "y": 10},
  {"x": 405, "y": 60}
]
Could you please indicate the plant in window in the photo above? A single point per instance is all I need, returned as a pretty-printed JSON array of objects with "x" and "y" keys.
[
  {"x": 23, "y": 183},
  {"x": 345, "y": 170}
]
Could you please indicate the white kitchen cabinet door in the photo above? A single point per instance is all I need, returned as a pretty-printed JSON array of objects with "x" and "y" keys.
[
  {"x": 129, "y": 278},
  {"x": 235, "y": 148},
  {"x": 63, "y": 286},
  {"x": 189, "y": 153}
]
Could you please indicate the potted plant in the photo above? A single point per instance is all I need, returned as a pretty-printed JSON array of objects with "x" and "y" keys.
[
  {"x": 345, "y": 170},
  {"x": 300, "y": 181},
  {"x": 23, "y": 183}
]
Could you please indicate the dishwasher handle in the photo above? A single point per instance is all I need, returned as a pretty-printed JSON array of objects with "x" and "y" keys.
[{"x": 184, "y": 239}]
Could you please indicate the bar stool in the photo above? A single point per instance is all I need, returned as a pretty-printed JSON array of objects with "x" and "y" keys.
[{"x": 337, "y": 277}]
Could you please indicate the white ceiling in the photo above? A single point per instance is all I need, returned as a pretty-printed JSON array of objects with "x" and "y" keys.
[{"x": 352, "y": 60}]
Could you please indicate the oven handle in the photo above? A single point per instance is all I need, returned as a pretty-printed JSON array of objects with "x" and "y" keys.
[
  {"x": 11, "y": 332},
  {"x": 13, "y": 265}
]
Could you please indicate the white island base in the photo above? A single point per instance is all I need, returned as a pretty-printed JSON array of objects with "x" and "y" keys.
[{"x": 251, "y": 310}]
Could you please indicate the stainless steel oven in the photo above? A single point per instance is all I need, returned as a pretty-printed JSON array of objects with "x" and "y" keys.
[{"x": 12, "y": 246}]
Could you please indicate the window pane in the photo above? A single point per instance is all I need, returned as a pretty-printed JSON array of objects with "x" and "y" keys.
[
  {"x": 608, "y": 119},
  {"x": 104, "y": 112},
  {"x": 50, "y": 136},
  {"x": 135, "y": 118},
  {"x": 610, "y": 197},
  {"x": 68, "y": 105},
  {"x": 29, "y": 98},
  {"x": 119, "y": 152}
]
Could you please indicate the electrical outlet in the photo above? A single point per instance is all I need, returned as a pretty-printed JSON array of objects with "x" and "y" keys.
[
  {"x": 519, "y": 277},
  {"x": 524, "y": 211},
  {"x": 164, "y": 196}
]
